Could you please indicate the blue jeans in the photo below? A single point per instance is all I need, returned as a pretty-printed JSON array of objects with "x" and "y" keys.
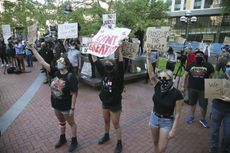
[{"x": 219, "y": 117}]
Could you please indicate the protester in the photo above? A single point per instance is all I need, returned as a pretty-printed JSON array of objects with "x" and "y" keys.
[
  {"x": 74, "y": 56},
  {"x": 193, "y": 79},
  {"x": 111, "y": 96},
  {"x": 171, "y": 59},
  {"x": 19, "y": 55},
  {"x": 11, "y": 52},
  {"x": 3, "y": 53},
  {"x": 153, "y": 56},
  {"x": 191, "y": 56},
  {"x": 47, "y": 55},
  {"x": 221, "y": 115},
  {"x": 223, "y": 58},
  {"x": 207, "y": 52},
  {"x": 64, "y": 89},
  {"x": 167, "y": 100},
  {"x": 29, "y": 59}
]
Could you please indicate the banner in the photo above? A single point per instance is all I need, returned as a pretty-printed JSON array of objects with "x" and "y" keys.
[
  {"x": 109, "y": 20},
  {"x": 156, "y": 38},
  {"x": 32, "y": 33},
  {"x": 67, "y": 30},
  {"x": 106, "y": 41},
  {"x": 209, "y": 38},
  {"x": 6, "y": 32},
  {"x": 216, "y": 88}
]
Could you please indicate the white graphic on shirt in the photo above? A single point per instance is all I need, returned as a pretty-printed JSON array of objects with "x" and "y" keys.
[{"x": 57, "y": 86}]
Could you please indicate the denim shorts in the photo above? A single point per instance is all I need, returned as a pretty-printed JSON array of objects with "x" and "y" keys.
[{"x": 162, "y": 123}]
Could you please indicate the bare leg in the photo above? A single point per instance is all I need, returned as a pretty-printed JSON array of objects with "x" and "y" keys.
[
  {"x": 163, "y": 140},
  {"x": 155, "y": 137}
]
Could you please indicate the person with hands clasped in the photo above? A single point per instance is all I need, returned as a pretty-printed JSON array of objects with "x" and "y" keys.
[
  {"x": 221, "y": 115},
  {"x": 167, "y": 108},
  {"x": 64, "y": 90},
  {"x": 111, "y": 96}
]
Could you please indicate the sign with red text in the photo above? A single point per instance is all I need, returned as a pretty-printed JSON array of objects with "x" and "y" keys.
[
  {"x": 106, "y": 41},
  {"x": 156, "y": 38},
  {"x": 6, "y": 32},
  {"x": 67, "y": 30},
  {"x": 109, "y": 20}
]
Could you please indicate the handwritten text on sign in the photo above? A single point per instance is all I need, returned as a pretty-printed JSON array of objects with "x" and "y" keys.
[
  {"x": 157, "y": 37},
  {"x": 216, "y": 88},
  {"x": 67, "y": 30},
  {"x": 106, "y": 41}
]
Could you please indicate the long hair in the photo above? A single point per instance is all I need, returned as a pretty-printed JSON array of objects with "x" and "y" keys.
[{"x": 69, "y": 66}]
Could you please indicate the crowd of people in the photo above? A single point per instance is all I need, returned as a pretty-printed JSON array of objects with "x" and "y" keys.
[{"x": 61, "y": 61}]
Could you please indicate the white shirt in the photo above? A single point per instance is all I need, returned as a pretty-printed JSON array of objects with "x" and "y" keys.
[{"x": 74, "y": 56}]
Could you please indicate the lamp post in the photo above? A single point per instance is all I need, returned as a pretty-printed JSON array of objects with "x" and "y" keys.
[{"x": 187, "y": 19}]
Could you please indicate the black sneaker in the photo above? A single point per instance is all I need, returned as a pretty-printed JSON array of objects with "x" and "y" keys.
[
  {"x": 118, "y": 148},
  {"x": 104, "y": 139},
  {"x": 73, "y": 144}
]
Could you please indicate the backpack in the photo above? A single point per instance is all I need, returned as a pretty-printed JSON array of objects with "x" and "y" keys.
[{"x": 11, "y": 70}]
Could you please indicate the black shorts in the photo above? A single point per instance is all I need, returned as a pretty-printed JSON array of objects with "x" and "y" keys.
[
  {"x": 195, "y": 96},
  {"x": 113, "y": 109}
]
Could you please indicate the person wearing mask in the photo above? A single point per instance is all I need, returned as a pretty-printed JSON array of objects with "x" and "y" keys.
[
  {"x": 111, "y": 96},
  {"x": 64, "y": 90},
  {"x": 193, "y": 80},
  {"x": 221, "y": 115},
  {"x": 222, "y": 60},
  {"x": 166, "y": 112},
  {"x": 74, "y": 57},
  {"x": 171, "y": 59}
]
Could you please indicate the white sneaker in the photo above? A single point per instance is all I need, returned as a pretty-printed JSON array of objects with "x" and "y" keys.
[
  {"x": 7, "y": 65},
  {"x": 2, "y": 65}
]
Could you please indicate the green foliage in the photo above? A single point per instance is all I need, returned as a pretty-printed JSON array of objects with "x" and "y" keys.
[
  {"x": 130, "y": 13},
  {"x": 226, "y": 6}
]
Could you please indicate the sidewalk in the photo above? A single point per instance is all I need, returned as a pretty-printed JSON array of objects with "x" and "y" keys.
[{"x": 36, "y": 129}]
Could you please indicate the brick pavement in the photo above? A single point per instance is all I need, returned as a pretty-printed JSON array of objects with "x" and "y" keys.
[{"x": 36, "y": 128}]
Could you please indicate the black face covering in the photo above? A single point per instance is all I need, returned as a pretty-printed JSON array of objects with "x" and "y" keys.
[
  {"x": 109, "y": 68},
  {"x": 166, "y": 85},
  {"x": 199, "y": 60}
]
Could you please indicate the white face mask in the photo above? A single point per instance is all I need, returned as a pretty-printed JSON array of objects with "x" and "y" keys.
[{"x": 60, "y": 66}]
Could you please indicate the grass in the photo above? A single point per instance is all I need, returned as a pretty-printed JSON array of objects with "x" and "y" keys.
[{"x": 162, "y": 65}]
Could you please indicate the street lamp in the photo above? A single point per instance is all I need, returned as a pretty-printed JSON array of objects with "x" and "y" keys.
[{"x": 187, "y": 19}]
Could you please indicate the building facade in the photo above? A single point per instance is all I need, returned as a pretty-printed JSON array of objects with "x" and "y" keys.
[{"x": 211, "y": 25}]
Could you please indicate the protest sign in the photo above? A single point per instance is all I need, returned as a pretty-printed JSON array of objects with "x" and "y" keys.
[
  {"x": 216, "y": 88},
  {"x": 130, "y": 50},
  {"x": 85, "y": 42},
  {"x": 6, "y": 32},
  {"x": 226, "y": 41},
  {"x": 156, "y": 38},
  {"x": 67, "y": 30},
  {"x": 209, "y": 38},
  {"x": 109, "y": 20},
  {"x": 32, "y": 33},
  {"x": 86, "y": 69},
  {"x": 106, "y": 41}
]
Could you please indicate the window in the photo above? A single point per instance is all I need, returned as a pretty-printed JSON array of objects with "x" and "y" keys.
[
  {"x": 177, "y": 5},
  {"x": 197, "y": 4}
]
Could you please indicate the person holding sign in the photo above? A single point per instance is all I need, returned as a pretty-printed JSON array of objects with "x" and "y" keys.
[
  {"x": 221, "y": 115},
  {"x": 64, "y": 89},
  {"x": 194, "y": 77},
  {"x": 167, "y": 100},
  {"x": 111, "y": 96}
]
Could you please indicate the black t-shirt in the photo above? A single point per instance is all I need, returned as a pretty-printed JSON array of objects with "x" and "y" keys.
[
  {"x": 112, "y": 85},
  {"x": 197, "y": 74},
  {"x": 164, "y": 103},
  {"x": 61, "y": 87}
]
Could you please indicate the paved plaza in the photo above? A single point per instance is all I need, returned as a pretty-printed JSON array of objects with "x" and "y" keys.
[{"x": 31, "y": 127}]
